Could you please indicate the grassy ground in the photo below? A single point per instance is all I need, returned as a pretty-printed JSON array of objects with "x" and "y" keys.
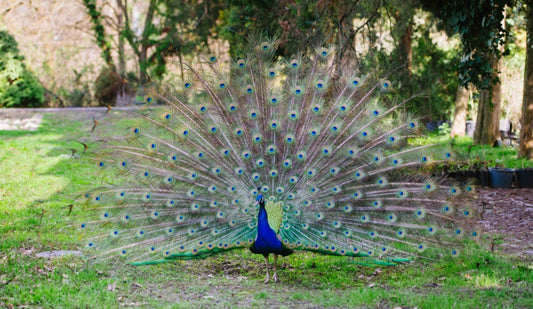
[
  {"x": 481, "y": 155},
  {"x": 41, "y": 178}
]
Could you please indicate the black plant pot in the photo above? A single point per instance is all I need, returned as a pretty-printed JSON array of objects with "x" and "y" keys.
[
  {"x": 501, "y": 177},
  {"x": 524, "y": 177}
]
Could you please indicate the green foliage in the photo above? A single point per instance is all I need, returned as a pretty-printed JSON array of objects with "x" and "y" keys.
[
  {"x": 297, "y": 26},
  {"x": 77, "y": 97},
  {"x": 469, "y": 154},
  {"x": 243, "y": 20},
  {"x": 18, "y": 86},
  {"x": 480, "y": 27},
  {"x": 238, "y": 21},
  {"x": 434, "y": 71},
  {"x": 79, "y": 94},
  {"x": 445, "y": 129},
  {"x": 106, "y": 86},
  {"x": 479, "y": 24},
  {"x": 433, "y": 74},
  {"x": 99, "y": 30},
  {"x": 169, "y": 28}
]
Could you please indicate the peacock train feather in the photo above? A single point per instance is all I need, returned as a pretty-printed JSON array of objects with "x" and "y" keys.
[{"x": 277, "y": 156}]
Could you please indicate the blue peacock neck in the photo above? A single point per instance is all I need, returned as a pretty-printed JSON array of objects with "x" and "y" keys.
[
  {"x": 266, "y": 241},
  {"x": 262, "y": 221}
]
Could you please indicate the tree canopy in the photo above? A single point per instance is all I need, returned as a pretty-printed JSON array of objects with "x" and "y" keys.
[{"x": 421, "y": 45}]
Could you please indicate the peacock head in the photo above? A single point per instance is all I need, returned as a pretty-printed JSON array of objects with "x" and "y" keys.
[{"x": 260, "y": 199}]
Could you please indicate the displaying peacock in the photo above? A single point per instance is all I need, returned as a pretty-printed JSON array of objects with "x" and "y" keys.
[{"x": 277, "y": 156}]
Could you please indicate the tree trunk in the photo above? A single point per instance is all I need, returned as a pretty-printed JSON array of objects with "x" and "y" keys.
[
  {"x": 406, "y": 49},
  {"x": 488, "y": 115},
  {"x": 145, "y": 44},
  {"x": 526, "y": 130},
  {"x": 459, "y": 117},
  {"x": 120, "y": 26}
]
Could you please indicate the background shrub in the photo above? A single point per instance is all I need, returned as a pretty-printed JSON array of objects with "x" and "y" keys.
[{"x": 18, "y": 86}]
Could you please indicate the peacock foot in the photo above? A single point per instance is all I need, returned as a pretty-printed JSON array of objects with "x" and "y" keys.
[{"x": 275, "y": 277}]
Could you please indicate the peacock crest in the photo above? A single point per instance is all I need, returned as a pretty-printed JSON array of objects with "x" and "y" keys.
[{"x": 323, "y": 153}]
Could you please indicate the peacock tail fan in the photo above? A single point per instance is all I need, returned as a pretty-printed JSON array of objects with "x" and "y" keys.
[{"x": 329, "y": 152}]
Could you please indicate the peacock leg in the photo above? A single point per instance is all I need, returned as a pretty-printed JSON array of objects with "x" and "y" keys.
[
  {"x": 275, "y": 266},
  {"x": 268, "y": 275}
]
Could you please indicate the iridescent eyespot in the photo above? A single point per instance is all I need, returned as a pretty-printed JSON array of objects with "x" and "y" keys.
[
  {"x": 293, "y": 115},
  {"x": 294, "y": 64},
  {"x": 385, "y": 84},
  {"x": 249, "y": 89},
  {"x": 323, "y": 52},
  {"x": 265, "y": 46}
]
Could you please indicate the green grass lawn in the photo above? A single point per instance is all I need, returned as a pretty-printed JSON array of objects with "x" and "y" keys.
[
  {"x": 40, "y": 179},
  {"x": 481, "y": 155}
]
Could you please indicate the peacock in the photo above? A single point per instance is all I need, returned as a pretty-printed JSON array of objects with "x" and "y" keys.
[{"x": 275, "y": 155}]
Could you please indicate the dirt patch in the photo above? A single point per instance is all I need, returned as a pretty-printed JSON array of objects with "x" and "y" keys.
[
  {"x": 29, "y": 119},
  {"x": 507, "y": 216},
  {"x": 26, "y": 122}
]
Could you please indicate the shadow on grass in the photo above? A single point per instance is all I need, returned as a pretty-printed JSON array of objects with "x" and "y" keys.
[{"x": 45, "y": 171}]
